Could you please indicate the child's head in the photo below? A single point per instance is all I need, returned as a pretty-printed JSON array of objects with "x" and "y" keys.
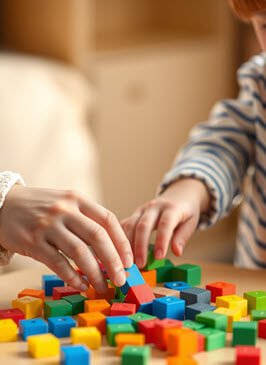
[{"x": 254, "y": 11}]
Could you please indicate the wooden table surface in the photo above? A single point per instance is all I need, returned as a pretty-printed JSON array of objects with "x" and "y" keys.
[{"x": 15, "y": 353}]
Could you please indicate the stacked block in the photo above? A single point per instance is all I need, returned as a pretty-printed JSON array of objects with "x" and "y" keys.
[
  {"x": 169, "y": 307},
  {"x": 140, "y": 317},
  {"x": 147, "y": 327},
  {"x": 124, "y": 339},
  {"x": 189, "y": 273},
  {"x": 135, "y": 355},
  {"x": 133, "y": 278},
  {"x": 89, "y": 336},
  {"x": 115, "y": 329},
  {"x": 220, "y": 288},
  {"x": 77, "y": 354},
  {"x": 139, "y": 295},
  {"x": 122, "y": 309},
  {"x": 49, "y": 282},
  {"x": 161, "y": 331},
  {"x": 41, "y": 346},
  {"x": 29, "y": 327},
  {"x": 244, "y": 333}
]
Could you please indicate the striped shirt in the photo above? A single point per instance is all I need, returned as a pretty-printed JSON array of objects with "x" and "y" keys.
[{"x": 225, "y": 151}]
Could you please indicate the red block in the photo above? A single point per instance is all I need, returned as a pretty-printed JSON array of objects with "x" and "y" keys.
[
  {"x": 220, "y": 288},
  {"x": 147, "y": 328},
  {"x": 161, "y": 329},
  {"x": 140, "y": 294},
  {"x": 247, "y": 355},
  {"x": 12, "y": 313},
  {"x": 201, "y": 342},
  {"x": 262, "y": 328},
  {"x": 63, "y": 291},
  {"x": 122, "y": 309}
]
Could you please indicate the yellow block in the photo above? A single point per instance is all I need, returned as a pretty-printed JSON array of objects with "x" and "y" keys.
[
  {"x": 45, "y": 345},
  {"x": 8, "y": 330},
  {"x": 89, "y": 336},
  {"x": 233, "y": 302},
  {"x": 30, "y": 306},
  {"x": 124, "y": 339},
  {"x": 232, "y": 315}
]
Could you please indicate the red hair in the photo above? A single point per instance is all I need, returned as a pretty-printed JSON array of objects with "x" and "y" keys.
[{"x": 244, "y": 9}]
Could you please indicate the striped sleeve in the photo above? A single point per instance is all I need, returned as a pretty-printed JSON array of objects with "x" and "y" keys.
[{"x": 220, "y": 151}]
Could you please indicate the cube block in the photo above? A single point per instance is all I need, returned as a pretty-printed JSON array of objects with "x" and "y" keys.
[
  {"x": 188, "y": 273},
  {"x": 93, "y": 319},
  {"x": 135, "y": 355},
  {"x": 146, "y": 308},
  {"x": 182, "y": 342},
  {"x": 89, "y": 336},
  {"x": 49, "y": 282},
  {"x": 57, "y": 308},
  {"x": 12, "y": 313},
  {"x": 214, "y": 339},
  {"x": 76, "y": 354},
  {"x": 257, "y": 314},
  {"x": 149, "y": 277},
  {"x": 248, "y": 355},
  {"x": 122, "y": 309},
  {"x": 213, "y": 320},
  {"x": 169, "y": 307},
  {"x": 77, "y": 303},
  {"x": 29, "y": 327},
  {"x": 140, "y": 317},
  {"x": 233, "y": 302},
  {"x": 152, "y": 263},
  {"x": 133, "y": 278},
  {"x": 32, "y": 293},
  {"x": 97, "y": 305},
  {"x": 233, "y": 315},
  {"x": 114, "y": 329},
  {"x": 30, "y": 306},
  {"x": 8, "y": 330},
  {"x": 61, "y": 326},
  {"x": 195, "y": 326},
  {"x": 124, "y": 339},
  {"x": 244, "y": 333},
  {"x": 161, "y": 331},
  {"x": 63, "y": 291},
  {"x": 195, "y": 295},
  {"x": 220, "y": 288},
  {"x": 194, "y": 309},
  {"x": 147, "y": 327},
  {"x": 256, "y": 299},
  {"x": 42, "y": 346},
  {"x": 109, "y": 295},
  {"x": 164, "y": 273}
]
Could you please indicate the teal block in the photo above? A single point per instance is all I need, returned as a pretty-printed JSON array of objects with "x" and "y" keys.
[
  {"x": 152, "y": 263},
  {"x": 213, "y": 320},
  {"x": 244, "y": 333},
  {"x": 188, "y": 273},
  {"x": 139, "y": 317},
  {"x": 135, "y": 355},
  {"x": 256, "y": 299},
  {"x": 114, "y": 329},
  {"x": 195, "y": 326},
  {"x": 214, "y": 339},
  {"x": 164, "y": 273},
  {"x": 77, "y": 302},
  {"x": 257, "y": 315}
]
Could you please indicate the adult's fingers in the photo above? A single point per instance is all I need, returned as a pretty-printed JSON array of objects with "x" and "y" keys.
[
  {"x": 181, "y": 235},
  {"x": 95, "y": 235},
  {"x": 110, "y": 223},
  {"x": 74, "y": 248}
]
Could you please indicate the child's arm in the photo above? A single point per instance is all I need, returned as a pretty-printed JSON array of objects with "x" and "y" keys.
[{"x": 50, "y": 225}]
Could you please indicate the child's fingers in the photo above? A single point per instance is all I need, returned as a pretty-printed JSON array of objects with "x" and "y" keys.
[
  {"x": 144, "y": 228},
  {"x": 96, "y": 236},
  {"x": 109, "y": 222},
  {"x": 129, "y": 226},
  {"x": 74, "y": 248},
  {"x": 181, "y": 235},
  {"x": 49, "y": 255}
]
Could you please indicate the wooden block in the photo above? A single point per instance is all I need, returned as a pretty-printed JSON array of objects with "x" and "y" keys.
[
  {"x": 201, "y": 343},
  {"x": 124, "y": 339},
  {"x": 140, "y": 317},
  {"x": 139, "y": 294},
  {"x": 122, "y": 309},
  {"x": 262, "y": 328},
  {"x": 256, "y": 300},
  {"x": 149, "y": 277},
  {"x": 31, "y": 307},
  {"x": 97, "y": 305},
  {"x": 176, "y": 360},
  {"x": 61, "y": 326},
  {"x": 194, "y": 309},
  {"x": 147, "y": 328},
  {"x": 213, "y": 320},
  {"x": 135, "y": 355},
  {"x": 248, "y": 355},
  {"x": 75, "y": 354},
  {"x": 244, "y": 333},
  {"x": 160, "y": 292},
  {"x": 93, "y": 319},
  {"x": 161, "y": 331},
  {"x": 133, "y": 278},
  {"x": 32, "y": 293},
  {"x": 57, "y": 308},
  {"x": 29, "y": 327},
  {"x": 77, "y": 303},
  {"x": 42, "y": 346},
  {"x": 109, "y": 295},
  {"x": 152, "y": 263},
  {"x": 49, "y": 282},
  {"x": 189, "y": 273},
  {"x": 164, "y": 273},
  {"x": 214, "y": 339},
  {"x": 115, "y": 329},
  {"x": 232, "y": 316},
  {"x": 182, "y": 342},
  {"x": 89, "y": 336},
  {"x": 8, "y": 330},
  {"x": 233, "y": 302},
  {"x": 169, "y": 307},
  {"x": 195, "y": 295},
  {"x": 63, "y": 291},
  {"x": 220, "y": 288},
  {"x": 12, "y": 313}
]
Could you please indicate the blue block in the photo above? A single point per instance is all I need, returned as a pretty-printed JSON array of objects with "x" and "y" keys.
[
  {"x": 49, "y": 282},
  {"x": 177, "y": 285},
  {"x": 169, "y": 307},
  {"x": 36, "y": 326},
  {"x": 75, "y": 355},
  {"x": 195, "y": 295},
  {"x": 194, "y": 309},
  {"x": 146, "y": 308},
  {"x": 134, "y": 278},
  {"x": 61, "y": 326},
  {"x": 118, "y": 320}
]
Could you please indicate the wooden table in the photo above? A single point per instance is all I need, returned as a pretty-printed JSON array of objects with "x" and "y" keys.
[{"x": 16, "y": 352}]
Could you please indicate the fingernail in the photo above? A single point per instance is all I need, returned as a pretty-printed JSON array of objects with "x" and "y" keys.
[
  {"x": 139, "y": 261},
  {"x": 181, "y": 247},
  {"x": 84, "y": 287},
  {"x": 120, "y": 278},
  {"x": 158, "y": 254},
  {"x": 128, "y": 260},
  {"x": 101, "y": 288}
]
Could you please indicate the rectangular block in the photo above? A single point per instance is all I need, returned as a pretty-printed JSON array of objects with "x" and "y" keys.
[
  {"x": 57, "y": 308},
  {"x": 29, "y": 327},
  {"x": 139, "y": 294},
  {"x": 118, "y": 320},
  {"x": 134, "y": 278},
  {"x": 125, "y": 339},
  {"x": 161, "y": 331},
  {"x": 195, "y": 326},
  {"x": 97, "y": 305},
  {"x": 194, "y": 309},
  {"x": 164, "y": 273},
  {"x": 248, "y": 355},
  {"x": 256, "y": 314},
  {"x": 195, "y": 295},
  {"x": 122, "y": 309},
  {"x": 256, "y": 300},
  {"x": 12, "y": 313},
  {"x": 214, "y": 339},
  {"x": 262, "y": 328},
  {"x": 149, "y": 277},
  {"x": 77, "y": 303},
  {"x": 32, "y": 293},
  {"x": 42, "y": 346},
  {"x": 169, "y": 307},
  {"x": 77, "y": 354},
  {"x": 8, "y": 330},
  {"x": 114, "y": 329},
  {"x": 63, "y": 291},
  {"x": 31, "y": 307},
  {"x": 93, "y": 319},
  {"x": 220, "y": 288},
  {"x": 244, "y": 333},
  {"x": 182, "y": 342},
  {"x": 188, "y": 273},
  {"x": 135, "y": 355},
  {"x": 89, "y": 336},
  {"x": 233, "y": 302},
  {"x": 147, "y": 328},
  {"x": 49, "y": 282}
]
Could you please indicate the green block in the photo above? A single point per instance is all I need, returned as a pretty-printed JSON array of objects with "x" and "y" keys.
[
  {"x": 135, "y": 355},
  {"x": 114, "y": 329},
  {"x": 195, "y": 326},
  {"x": 213, "y": 320},
  {"x": 77, "y": 302},
  {"x": 189, "y": 273},
  {"x": 138, "y": 317},
  {"x": 214, "y": 339},
  {"x": 164, "y": 273},
  {"x": 244, "y": 333},
  {"x": 57, "y": 308},
  {"x": 119, "y": 294},
  {"x": 152, "y": 263},
  {"x": 257, "y": 315},
  {"x": 256, "y": 299}
]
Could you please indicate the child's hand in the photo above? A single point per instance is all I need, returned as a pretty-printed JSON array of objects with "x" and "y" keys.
[
  {"x": 48, "y": 224},
  {"x": 174, "y": 214}
]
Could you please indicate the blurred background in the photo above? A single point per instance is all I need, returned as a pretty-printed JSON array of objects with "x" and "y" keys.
[{"x": 98, "y": 95}]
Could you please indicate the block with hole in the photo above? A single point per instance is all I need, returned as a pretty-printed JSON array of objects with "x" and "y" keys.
[
  {"x": 169, "y": 307},
  {"x": 29, "y": 327},
  {"x": 12, "y": 313},
  {"x": 61, "y": 326},
  {"x": 233, "y": 302},
  {"x": 220, "y": 288},
  {"x": 30, "y": 306},
  {"x": 256, "y": 300},
  {"x": 177, "y": 285}
]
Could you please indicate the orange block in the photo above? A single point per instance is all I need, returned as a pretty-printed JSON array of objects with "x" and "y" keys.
[
  {"x": 182, "y": 342},
  {"x": 150, "y": 277},
  {"x": 174, "y": 360},
  {"x": 92, "y": 319},
  {"x": 124, "y": 339},
  {"x": 161, "y": 331},
  {"x": 91, "y": 293},
  {"x": 97, "y": 305},
  {"x": 32, "y": 293}
]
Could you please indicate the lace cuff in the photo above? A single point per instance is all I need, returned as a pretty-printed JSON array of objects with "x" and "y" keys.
[{"x": 7, "y": 180}]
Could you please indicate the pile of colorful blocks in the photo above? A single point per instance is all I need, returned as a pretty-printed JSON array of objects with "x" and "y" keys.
[{"x": 161, "y": 306}]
